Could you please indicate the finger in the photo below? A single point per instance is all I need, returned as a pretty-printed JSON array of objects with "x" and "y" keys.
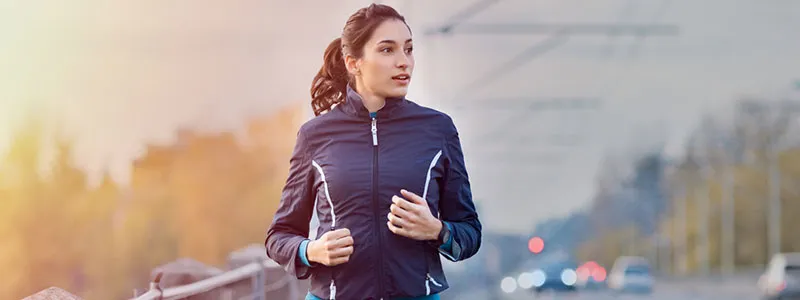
[
  {"x": 339, "y": 261},
  {"x": 338, "y": 233},
  {"x": 397, "y": 230},
  {"x": 342, "y": 232},
  {"x": 413, "y": 198},
  {"x": 402, "y": 203},
  {"x": 332, "y": 244},
  {"x": 399, "y": 212},
  {"x": 341, "y": 252},
  {"x": 344, "y": 242},
  {"x": 398, "y": 222}
]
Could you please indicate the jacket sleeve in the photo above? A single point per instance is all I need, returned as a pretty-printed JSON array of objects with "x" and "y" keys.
[
  {"x": 456, "y": 207},
  {"x": 290, "y": 225}
]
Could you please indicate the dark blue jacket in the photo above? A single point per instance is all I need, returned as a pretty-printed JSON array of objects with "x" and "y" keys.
[{"x": 350, "y": 164}]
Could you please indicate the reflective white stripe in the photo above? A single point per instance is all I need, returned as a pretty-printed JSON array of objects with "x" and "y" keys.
[
  {"x": 427, "y": 288},
  {"x": 327, "y": 194},
  {"x": 333, "y": 215},
  {"x": 428, "y": 178},
  {"x": 428, "y": 280},
  {"x": 434, "y": 281}
]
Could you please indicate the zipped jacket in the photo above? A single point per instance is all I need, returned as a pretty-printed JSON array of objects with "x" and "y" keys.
[{"x": 348, "y": 163}]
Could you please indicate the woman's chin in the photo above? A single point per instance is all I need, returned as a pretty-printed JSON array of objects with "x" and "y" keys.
[{"x": 397, "y": 92}]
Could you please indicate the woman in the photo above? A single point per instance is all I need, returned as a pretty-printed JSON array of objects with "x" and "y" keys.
[{"x": 386, "y": 175}]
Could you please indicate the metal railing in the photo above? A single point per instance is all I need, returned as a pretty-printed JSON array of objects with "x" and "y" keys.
[{"x": 254, "y": 271}]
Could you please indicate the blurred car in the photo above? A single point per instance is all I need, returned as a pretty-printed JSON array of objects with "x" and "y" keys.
[
  {"x": 781, "y": 279},
  {"x": 556, "y": 276},
  {"x": 591, "y": 276},
  {"x": 631, "y": 274}
]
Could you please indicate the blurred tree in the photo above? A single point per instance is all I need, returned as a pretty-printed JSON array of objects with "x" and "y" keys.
[
  {"x": 40, "y": 212},
  {"x": 96, "y": 232},
  {"x": 604, "y": 249},
  {"x": 202, "y": 196},
  {"x": 740, "y": 144},
  {"x": 206, "y": 194},
  {"x": 21, "y": 185}
]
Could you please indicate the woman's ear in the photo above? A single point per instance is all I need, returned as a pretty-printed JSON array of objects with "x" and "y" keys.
[{"x": 353, "y": 64}]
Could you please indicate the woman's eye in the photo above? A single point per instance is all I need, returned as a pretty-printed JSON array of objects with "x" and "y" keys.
[
  {"x": 409, "y": 50},
  {"x": 386, "y": 50}
]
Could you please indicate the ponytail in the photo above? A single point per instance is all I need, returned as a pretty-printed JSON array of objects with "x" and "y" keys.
[{"x": 329, "y": 86}]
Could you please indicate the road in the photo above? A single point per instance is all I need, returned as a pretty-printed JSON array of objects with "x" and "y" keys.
[
  {"x": 657, "y": 295},
  {"x": 685, "y": 290}
]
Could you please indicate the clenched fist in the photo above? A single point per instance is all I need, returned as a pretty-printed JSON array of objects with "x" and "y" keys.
[{"x": 332, "y": 248}]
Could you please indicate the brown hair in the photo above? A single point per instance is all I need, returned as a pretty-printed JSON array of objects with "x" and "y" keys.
[{"x": 329, "y": 86}]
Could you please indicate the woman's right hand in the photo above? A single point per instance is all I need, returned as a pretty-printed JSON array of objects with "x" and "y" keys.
[{"x": 332, "y": 248}]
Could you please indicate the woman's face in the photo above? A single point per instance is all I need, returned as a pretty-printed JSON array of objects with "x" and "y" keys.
[{"x": 387, "y": 64}]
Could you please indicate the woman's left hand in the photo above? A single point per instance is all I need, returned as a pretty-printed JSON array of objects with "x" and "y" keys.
[{"x": 411, "y": 217}]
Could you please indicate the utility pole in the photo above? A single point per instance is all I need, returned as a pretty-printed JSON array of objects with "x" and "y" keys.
[
  {"x": 703, "y": 199},
  {"x": 632, "y": 194},
  {"x": 784, "y": 114},
  {"x": 680, "y": 230},
  {"x": 655, "y": 236},
  {"x": 649, "y": 247},
  {"x": 774, "y": 198},
  {"x": 780, "y": 113},
  {"x": 703, "y": 206},
  {"x": 666, "y": 252},
  {"x": 727, "y": 244}
]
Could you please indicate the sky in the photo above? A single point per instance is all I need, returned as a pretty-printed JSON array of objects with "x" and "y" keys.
[{"x": 119, "y": 74}]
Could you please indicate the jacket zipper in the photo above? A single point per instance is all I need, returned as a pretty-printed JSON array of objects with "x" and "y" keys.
[
  {"x": 375, "y": 203},
  {"x": 428, "y": 278},
  {"x": 333, "y": 222}
]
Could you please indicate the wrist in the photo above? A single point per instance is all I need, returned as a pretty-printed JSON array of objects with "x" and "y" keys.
[
  {"x": 437, "y": 228},
  {"x": 311, "y": 251}
]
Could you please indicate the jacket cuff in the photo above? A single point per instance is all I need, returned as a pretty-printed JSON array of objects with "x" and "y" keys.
[
  {"x": 302, "y": 253},
  {"x": 450, "y": 249},
  {"x": 294, "y": 265}
]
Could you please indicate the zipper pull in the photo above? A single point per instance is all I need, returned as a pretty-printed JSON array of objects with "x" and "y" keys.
[{"x": 374, "y": 132}]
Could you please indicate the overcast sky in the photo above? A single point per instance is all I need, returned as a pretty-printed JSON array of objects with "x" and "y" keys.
[{"x": 121, "y": 73}]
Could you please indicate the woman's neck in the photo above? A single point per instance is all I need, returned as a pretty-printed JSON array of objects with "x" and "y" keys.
[{"x": 371, "y": 101}]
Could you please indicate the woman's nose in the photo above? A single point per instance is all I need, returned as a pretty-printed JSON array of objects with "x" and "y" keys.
[{"x": 402, "y": 61}]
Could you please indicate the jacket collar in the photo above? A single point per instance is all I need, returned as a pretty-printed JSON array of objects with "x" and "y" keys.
[{"x": 354, "y": 104}]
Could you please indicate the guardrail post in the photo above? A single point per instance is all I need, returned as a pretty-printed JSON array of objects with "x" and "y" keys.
[
  {"x": 294, "y": 292},
  {"x": 258, "y": 281},
  {"x": 262, "y": 281},
  {"x": 155, "y": 285},
  {"x": 226, "y": 294}
]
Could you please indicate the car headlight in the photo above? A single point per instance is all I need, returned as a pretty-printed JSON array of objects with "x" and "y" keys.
[
  {"x": 538, "y": 277},
  {"x": 509, "y": 285},
  {"x": 525, "y": 280},
  {"x": 569, "y": 277}
]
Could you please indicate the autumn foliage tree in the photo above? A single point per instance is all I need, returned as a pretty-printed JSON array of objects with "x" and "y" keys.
[{"x": 201, "y": 196}]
